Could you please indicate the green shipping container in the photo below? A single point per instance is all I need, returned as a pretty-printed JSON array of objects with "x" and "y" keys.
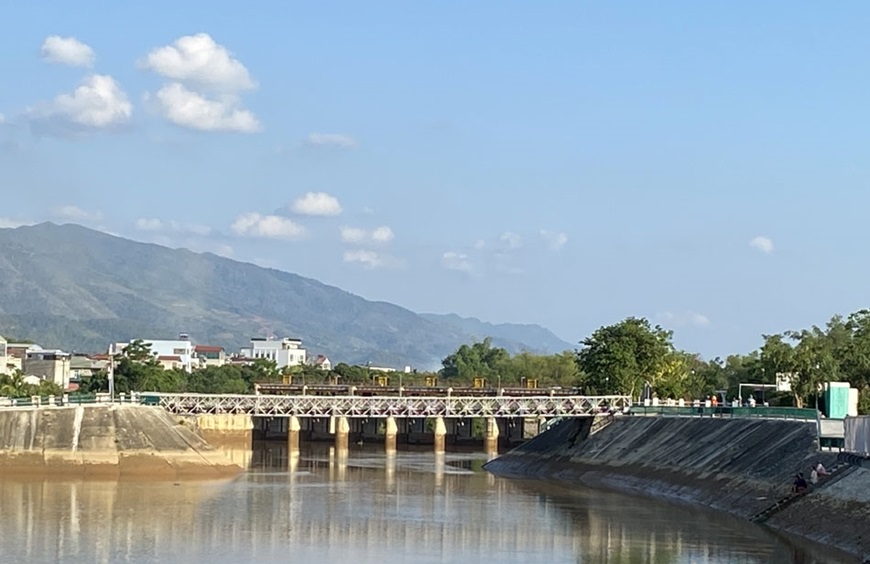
[{"x": 836, "y": 401}]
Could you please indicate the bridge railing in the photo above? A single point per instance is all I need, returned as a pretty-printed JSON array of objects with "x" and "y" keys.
[
  {"x": 793, "y": 413},
  {"x": 68, "y": 399},
  {"x": 388, "y": 406}
]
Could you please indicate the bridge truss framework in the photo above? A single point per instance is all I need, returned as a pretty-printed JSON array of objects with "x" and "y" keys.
[{"x": 458, "y": 407}]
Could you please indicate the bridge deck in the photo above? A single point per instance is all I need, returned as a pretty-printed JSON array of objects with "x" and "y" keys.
[{"x": 388, "y": 406}]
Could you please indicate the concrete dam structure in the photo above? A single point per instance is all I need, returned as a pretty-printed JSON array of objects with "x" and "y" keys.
[
  {"x": 105, "y": 441},
  {"x": 741, "y": 466}
]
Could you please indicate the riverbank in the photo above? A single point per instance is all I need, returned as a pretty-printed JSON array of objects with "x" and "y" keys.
[
  {"x": 105, "y": 441},
  {"x": 740, "y": 466}
]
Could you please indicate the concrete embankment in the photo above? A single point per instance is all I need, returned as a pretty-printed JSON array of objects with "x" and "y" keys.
[
  {"x": 741, "y": 466},
  {"x": 105, "y": 441}
]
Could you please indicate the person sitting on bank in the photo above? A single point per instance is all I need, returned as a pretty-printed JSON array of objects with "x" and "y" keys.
[
  {"x": 814, "y": 476},
  {"x": 820, "y": 469},
  {"x": 800, "y": 484}
]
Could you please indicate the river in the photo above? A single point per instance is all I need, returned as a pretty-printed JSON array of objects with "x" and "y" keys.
[{"x": 368, "y": 507}]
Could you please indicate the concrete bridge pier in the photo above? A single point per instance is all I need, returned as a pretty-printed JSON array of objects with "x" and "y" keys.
[
  {"x": 440, "y": 435},
  {"x": 342, "y": 434},
  {"x": 490, "y": 437},
  {"x": 293, "y": 429},
  {"x": 391, "y": 434}
]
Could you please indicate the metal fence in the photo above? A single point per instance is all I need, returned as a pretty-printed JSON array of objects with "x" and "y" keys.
[{"x": 794, "y": 413}]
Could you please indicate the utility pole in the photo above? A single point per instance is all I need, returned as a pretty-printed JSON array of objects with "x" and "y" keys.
[{"x": 112, "y": 373}]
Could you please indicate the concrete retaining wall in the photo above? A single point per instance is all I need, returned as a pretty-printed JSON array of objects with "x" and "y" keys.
[
  {"x": 105, "y": 441},
  {"x": 224, "y": 428},
  {"x": 740, "y": 466}
]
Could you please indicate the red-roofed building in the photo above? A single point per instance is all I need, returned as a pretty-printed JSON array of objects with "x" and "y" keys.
[
  {"x": 210, "y": 356},
  {"x": 322, "y": 363},
  {"x": 171, "y": 362}
]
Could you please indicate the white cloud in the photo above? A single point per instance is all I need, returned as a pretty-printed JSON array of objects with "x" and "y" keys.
[
  {"x": 353, "y": 234},
  {"x": 2, "y": 119},
  {"x": 512, "y": 240},
  {"x": 684, "y": 318},
  {"x": 189, "y": 109},
  {"x": 11, "y": 223},
  {"x": 317, "y": 203},
  {"x": 271, "y": 226},
  {"x": 357, "y": 236},
  {"x": 763, "y": 244},
  {"x": 154, "y": 224},
  {"x": 452, "y": 260},
  {"x": 200, "y": 62},
  {"x": 370, "y": 259},
  {"x": 479, "y": 244},
  {"x": 555, "y": 240},
  {"x": 67, "y": 51},
  {"x": 97, "y": 103},
  {"x": 336, "y": 140},
  {"x": 382, "y": 234},
  {"x": 75, "y": 213}
]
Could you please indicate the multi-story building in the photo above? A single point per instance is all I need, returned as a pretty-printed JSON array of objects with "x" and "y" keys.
[
  {"x": 210, "y": 356},
  {"x": 51, "y": 365},
  {"x": 178, "y": 353},
  {"x": 82, "y": 368},
  {"x": 16, "y": 353},
  {"x": 284, "y": 352}
]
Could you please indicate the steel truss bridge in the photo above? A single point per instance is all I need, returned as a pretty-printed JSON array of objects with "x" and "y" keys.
[{"x": 457, "y": 407}]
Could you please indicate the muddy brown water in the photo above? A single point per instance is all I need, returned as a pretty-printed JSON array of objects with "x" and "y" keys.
[{"x": 321, "y": 506}]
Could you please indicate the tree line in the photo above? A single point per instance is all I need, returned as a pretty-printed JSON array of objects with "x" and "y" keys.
[{"x": 621, "y": 358}]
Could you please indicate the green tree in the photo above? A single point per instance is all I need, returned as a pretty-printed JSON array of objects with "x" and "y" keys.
[
  {"x": 227, "y": 379},
  {"x": 479, "y": 360},
  {"x": 14, "y": 386},
  {"x": 620, "y": 358}
]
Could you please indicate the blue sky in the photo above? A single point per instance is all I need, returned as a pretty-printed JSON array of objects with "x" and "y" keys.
[{"x": 561, "y": 163}]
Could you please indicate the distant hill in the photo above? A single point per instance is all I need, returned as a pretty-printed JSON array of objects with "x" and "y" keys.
[
  {"x": 70, "y": 287},
  {"x": 514, "y": 337}
]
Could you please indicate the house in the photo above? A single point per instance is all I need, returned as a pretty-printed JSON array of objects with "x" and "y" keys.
[
  {"x": 284, "y": 352},
  {"x": 181, "y": 348},
  {"x": 52, "y": 365},
  {"x": 210, "y": 356},
  {"x": 172, "y": 362},
  {"x": 83, "y": 367},
  {"x": 15, "y": 355},
  {"x": 322, "y": 363}
]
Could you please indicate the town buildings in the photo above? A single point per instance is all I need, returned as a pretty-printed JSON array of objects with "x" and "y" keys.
[
  {"x": 68, "y": 370},
  {"x": 285, "y": 352}
]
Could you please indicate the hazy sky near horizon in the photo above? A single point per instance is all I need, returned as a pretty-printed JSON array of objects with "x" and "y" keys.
[{"x": 563, "y": 163}]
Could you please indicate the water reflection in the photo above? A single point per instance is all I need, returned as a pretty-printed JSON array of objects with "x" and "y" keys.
[{"x": 361, "y": 506}]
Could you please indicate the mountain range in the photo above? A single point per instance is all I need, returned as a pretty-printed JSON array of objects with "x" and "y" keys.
[{"x": 75, "y": 288}]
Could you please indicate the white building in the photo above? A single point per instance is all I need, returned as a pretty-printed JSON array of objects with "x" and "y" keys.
[
  {"x": 170, "y": 354},
  {"x": 286, "y": 352}
]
